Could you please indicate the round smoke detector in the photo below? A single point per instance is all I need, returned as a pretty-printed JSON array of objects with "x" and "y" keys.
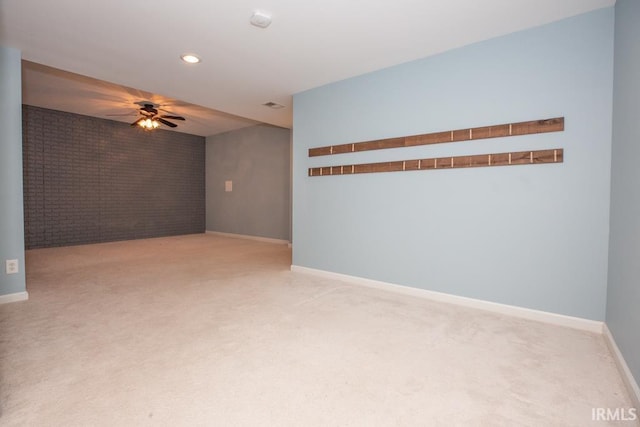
[{"x": 260, "y": 19}]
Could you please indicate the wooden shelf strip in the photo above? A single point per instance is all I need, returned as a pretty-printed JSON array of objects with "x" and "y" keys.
[
  {"x": 555, "y": 155},
  {"x": 497, "y": 131}
]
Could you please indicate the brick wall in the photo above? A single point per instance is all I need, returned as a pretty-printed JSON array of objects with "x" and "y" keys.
[{"x": 89, "y": 180}]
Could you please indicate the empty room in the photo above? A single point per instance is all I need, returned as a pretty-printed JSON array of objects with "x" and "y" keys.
[{"x": 319, "y": 214}]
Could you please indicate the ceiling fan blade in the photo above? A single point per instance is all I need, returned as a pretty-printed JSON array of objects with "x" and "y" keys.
[
  {"x": 173, "y": 117},
  {"x": 166, "y": 122},
  {"x": 138, "y": 121},
  {"x": 149, "y": 109},
  {"x": 167, "y": 111}
]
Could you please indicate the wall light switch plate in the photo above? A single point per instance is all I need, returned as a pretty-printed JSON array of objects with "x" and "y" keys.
[
  {"x": 228, "y": 186},
  {"x": 11, "y": 266}
]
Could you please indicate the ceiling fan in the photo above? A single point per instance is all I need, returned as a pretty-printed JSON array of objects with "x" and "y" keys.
[{"x": 150, "y": 119}]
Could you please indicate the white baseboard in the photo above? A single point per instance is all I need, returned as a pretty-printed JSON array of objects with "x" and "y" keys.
[
  {"x": 510, "y": 310},
  {"x": 247, "y": 237},
  {"x": 18, "y": 296},
  {"x": 625, "y": 372}
]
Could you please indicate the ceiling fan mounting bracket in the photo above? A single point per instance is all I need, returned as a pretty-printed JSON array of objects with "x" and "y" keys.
[{"x": 144, "y": 103}]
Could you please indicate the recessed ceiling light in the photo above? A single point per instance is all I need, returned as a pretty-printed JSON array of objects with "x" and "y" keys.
[
  {"x": 260, "y": 19},
  {"x": 190, "y": 58}
]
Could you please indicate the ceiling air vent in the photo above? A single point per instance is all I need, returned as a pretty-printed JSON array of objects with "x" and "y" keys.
[{"x": 273, "y": 105}]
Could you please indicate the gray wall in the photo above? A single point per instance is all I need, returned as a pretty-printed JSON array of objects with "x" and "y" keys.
[
  {"x": 88, "y": 180},
  {"x": 11, "y": 222},
  {"x": 257, "y": 160},
  {"x": 530, "y": 236},
  {"x": 623, "y": 296}
]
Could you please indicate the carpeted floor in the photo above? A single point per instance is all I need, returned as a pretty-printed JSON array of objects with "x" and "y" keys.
[{"x": 205, "y": 330}]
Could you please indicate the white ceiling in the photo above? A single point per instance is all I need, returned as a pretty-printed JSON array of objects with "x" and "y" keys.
[
  {"x": 137, "y": 44},
  {"x": 64, "y": 91}
]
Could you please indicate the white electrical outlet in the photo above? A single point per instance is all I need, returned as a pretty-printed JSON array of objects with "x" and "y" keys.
[
  {"x": 11, "y": 266},
  {"x": 228, "y": 186}
]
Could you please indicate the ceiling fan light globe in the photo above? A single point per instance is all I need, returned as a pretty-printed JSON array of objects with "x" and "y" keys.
[{"x": 149, "y": 124}]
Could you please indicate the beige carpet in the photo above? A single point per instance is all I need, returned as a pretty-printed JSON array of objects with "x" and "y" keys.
[{"x": 204, "y": 330}]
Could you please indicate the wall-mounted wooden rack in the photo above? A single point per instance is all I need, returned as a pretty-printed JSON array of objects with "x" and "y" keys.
[
  {"x": 555, "y": 155},
  {"x": 497, "y": 131}
]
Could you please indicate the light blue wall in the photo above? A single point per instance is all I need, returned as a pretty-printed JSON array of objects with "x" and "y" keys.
[
  {"x": 11, "y": 218},
  {"x": 623, "y": 300},
  {"x": 531, "y": 236}
]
